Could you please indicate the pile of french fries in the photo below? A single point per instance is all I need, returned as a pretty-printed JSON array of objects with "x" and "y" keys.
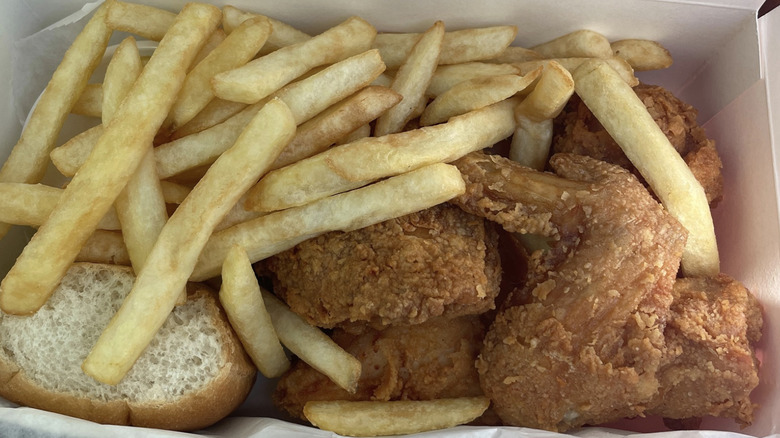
[{"x": 258, "y": 136}]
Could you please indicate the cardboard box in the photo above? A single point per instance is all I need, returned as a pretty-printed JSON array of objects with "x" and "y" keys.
[{"x": 727, "y": 64}]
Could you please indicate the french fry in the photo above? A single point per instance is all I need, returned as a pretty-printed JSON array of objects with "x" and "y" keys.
[
  {"x": 382, "y": 418},
  {"x": 474, "y": 94},
  {"x": 69, "y": 157},
  {"x": 626, "y": 119},
  {"x": 447, "y": 76},
  {"x": 145, "y": 21},
  {"x": 533, "y": 136},
  {"x": 163, "y": 276},
  {"x": 31, "y": 205},
  {"x": 643, "y": 55},
  {"x": 618, "y": 64},
  {"x": 412, "y": 80},
  {"x": 236, "y": 50},
  {"x": 216, "y": 112},
  {"x": 104, "y": 247},
  {"x": 459, "y": 46},
  {"x": 356, "y": 164},
  {"x": 174, "y": 193},
  {"x": 283, "y": 34},
  {"x": 30, "y": 156},
  {"x": 236, "y": 215},
  {"x": 122, "y": 71},
  {"x": 514, "y": 54},
  {"x": 336, "y": 122},
  {"x": 305, "y": 98},
  {"x": 243, "y": 303},
  {"x": 360, "y": 133},
  {"x": 265, "y": 75},
  {"x": 582, "y": 43},
  {"x": 90, "y": 102},
  {"x": 212, "y": 43},
  {"x": 113, "y": 160},
  {"x": 276, "y": 232},
  {"x": 312, "y": 345}
]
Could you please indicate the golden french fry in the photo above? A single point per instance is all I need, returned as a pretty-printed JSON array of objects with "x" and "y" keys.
[
  {"x": 362, "y": 132},
  {"x": 31, "y": 204},
  {"x": 356, "y": 164},
  {"x": 164, "y": 275},
  {"x": 336, "y": 122},
  {"x": 305, "y": 98},
  {"x": 174, "y": 193},
  {"x": 550, "y": 94},
  {"x": 69, "y": 157},
  {"x": 265, "y": 75},
  {"x": 276, "y": 232},
  {"x": 111, "y": 164},
  {"x": 474, "y": 94},
  {"x": 643, "y": 55},
  {"x": 243, "y": 303},
  {"x": 412, "y": 80},
  {"x": 90, "y": 102},
  {"x": 236, "y": 215},
  {"x": 216, "y": 112},
  {"x": 216, "y": 38},
  {"x": 531, "y": 142},
  {"x": 447, "y": 76},
  {"x": 236, "y": 50},
  {"x": 142, "y": 20},
  {"x": 459, "y": 46},
  {"x": 312, "y": 345},
  {"x": 578, "y": 44},
  {"x": 514, "y": 54},
  {"x": 104, "y": 247},
  {"x": 618, "y": 64},
  {"x": 283, "y": 34},
  {"x": 122, "y": 71},
  {"x": 381, "y": 418},
  {"x": 30, "y": 156},
  {"x": 626, "y": 119}
]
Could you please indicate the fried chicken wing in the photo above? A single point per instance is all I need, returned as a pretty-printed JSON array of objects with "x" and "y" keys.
[
  {"x": 711, "y": 336},
  {"x": 587, "y": 349},
  {"x": 440, "y": 261},
  {"x": 578, "y": 131},
  {"x": 426, "y": 361}
]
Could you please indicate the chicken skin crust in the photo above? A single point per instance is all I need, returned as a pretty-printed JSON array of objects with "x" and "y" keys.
[
  {"x": 578, "y": 131},
  {"x": 440, "y": 261},
  {"x": 588, "y": 348}
]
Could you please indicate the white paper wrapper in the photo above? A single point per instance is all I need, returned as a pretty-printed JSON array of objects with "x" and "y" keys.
[{"x": 737, "y": 118}]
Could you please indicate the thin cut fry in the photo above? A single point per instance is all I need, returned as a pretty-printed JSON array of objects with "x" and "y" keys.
[
  {"x": 94, "y": 188},
  {"x": 283, "y": 34},
  {"x": 382, "y": 418},
  {"x": 531, "y": 142},
  {"x": 31, "y": 204},
  {"x": 174, "y": 193},
  {"x": 360, "y": 133},
  {"x": 236, "y": 50},
  {"x": 550, "y": 94},
  {"x": 626, "y": 119},
  {"x": 216, "y": 38},
  {"x": 145, "y": 21},
  {"x": 514, "y": 54},
  {"x": 276, "y": 232},
  {"x": 580, "y": 43},
  {"x": 30, "y": 156},
  {"x": 474, "y": 94},
  {"x": 412, "y": 80},
  {"x": 216, "y": 112},
  {"x": 324, "y": 130},
  {"x": 447, "y": 76},
  {"x": 312, "y": 345},
  {"x": 265, "y": 75},
  {"x": 243, "y": 303},
  {"x": 90, "y": 102},
  {"x": 175, "y": 253},
  {"x": 643, "y": 55},
  {"x": 305, "y": 98},
  {"x": 122, "y": 71},
  {"x": 69, "y": 157},
  {"x": 104, "y": 247},
  {"x": 619, "y": 64},
  {"x": 459, "y": 46},
  {"x": 356, "y": 164}
]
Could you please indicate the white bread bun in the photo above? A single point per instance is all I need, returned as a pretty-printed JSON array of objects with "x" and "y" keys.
[{"x": 194, "y": 373}]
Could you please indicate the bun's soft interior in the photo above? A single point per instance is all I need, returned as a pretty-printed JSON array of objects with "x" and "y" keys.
[{"x": 51, "y": 344}]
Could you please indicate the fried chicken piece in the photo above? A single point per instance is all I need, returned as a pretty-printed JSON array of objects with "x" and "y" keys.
[
  {"x": 588, "y": 348},
  {"x": 426, "y": 361},
  {"x": 439, "y": 261},
  {"x": 578, "y": 131},
  {"x": 711, "y": 336}
]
